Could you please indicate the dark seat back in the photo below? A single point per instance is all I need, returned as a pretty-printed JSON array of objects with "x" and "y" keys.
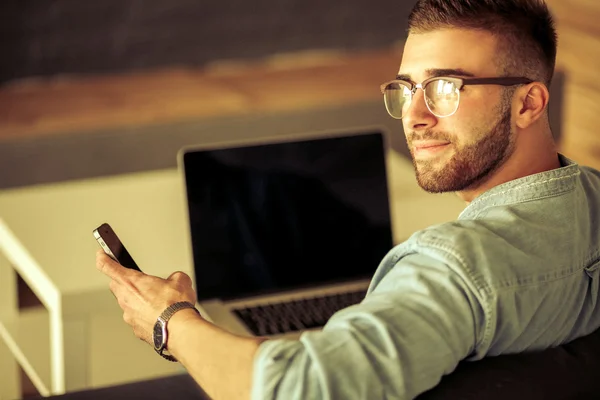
[{"x": 570, "y": 371}]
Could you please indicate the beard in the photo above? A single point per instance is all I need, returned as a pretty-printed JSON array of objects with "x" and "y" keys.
[{"x": 470, "y": 165}]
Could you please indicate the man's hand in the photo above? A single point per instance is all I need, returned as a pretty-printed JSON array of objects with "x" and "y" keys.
[{"x": 144, "y": 297}]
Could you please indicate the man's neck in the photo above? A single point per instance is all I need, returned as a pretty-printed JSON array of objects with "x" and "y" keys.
[{"x": 532, "y": 158}]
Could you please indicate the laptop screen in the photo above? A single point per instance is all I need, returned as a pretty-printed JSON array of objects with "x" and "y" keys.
[{"x": 270, "y": 217}]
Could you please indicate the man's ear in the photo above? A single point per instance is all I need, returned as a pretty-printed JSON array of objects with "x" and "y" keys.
[{"x": 532, "y": 101}]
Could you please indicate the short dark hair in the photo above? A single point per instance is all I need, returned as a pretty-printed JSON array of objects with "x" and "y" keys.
[{"x": 525, "y": 29}]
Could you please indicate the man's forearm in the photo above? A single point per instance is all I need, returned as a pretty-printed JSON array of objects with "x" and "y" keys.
[{"x": 221, "y": 363}]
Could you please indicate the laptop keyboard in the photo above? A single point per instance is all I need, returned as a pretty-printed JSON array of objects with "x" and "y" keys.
[{"x": 296, "y": 315}]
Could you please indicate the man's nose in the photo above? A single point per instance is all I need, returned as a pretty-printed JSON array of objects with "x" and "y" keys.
[{"x": 418, "y": 116}]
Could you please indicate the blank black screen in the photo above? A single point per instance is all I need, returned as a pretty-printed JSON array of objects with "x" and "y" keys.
[{"x": 276, "y": 216}]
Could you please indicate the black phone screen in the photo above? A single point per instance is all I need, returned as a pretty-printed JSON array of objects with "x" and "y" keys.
[{"x": 115, "y": 245}]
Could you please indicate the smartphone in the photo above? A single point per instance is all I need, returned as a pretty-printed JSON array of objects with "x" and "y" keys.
[{"x": 112, "y": 245}]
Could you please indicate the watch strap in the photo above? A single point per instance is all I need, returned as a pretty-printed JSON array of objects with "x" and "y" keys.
[
  {"x": 167, "y": 356},
  {"x": 173, "y": 308}
]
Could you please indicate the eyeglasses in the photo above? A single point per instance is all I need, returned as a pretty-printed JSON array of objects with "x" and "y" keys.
[{"x": 442, "y": 94}]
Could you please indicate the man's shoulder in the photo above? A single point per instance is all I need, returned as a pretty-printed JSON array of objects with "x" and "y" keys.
[
  {"x": 482, "y": 251},
  {"x": 590, "y": 177},
  {"x": 455, "y": 241},
  {"x": 460, "y": 235}
]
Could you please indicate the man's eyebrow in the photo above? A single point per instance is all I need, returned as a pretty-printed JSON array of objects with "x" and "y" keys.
[
  {"x": 449, "y": 72},
  {"x": 435, "y": 72}
]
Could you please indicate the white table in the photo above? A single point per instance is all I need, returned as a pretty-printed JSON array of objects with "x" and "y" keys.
[{"x": 78, "y": 339}]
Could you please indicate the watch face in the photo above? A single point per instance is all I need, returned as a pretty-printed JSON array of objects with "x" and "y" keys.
[{"x": 158, "y": 336}]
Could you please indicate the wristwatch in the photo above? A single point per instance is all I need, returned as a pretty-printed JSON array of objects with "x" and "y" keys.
[{"x": 160, "y": 334}]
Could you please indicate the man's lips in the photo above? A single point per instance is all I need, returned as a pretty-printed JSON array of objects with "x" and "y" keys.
[
  {"x": 425, "y": 144},
  {"x": 428, "y": 148},
  {"x": 420, "y": 145}
]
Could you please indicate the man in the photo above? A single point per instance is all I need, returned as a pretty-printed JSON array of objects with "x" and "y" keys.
[{"x": 518, "y": 271}]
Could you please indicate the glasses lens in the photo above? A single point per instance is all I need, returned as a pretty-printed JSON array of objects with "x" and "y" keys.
[
  {"x": 442, "y": 97},
  {"x": 397, "y": 98}
]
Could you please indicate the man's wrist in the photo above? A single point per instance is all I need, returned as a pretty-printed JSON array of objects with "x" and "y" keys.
[
  {"x": 160, "y": 332},
  {"x": 179, "y": 324}
]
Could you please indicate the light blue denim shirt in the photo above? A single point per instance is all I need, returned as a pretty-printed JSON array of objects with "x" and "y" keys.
[{"x": 518, "y": 271}]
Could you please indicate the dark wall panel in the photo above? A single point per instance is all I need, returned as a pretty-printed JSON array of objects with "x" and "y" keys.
[{"x": 39, "y": 37}]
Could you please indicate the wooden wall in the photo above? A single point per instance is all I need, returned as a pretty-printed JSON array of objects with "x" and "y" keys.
[
  {"x": 80, "y": 104},
  {"x": 579, "y": 58}
]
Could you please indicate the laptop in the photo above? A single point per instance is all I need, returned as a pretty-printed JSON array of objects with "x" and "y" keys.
[{"x": 285, "y": 232}]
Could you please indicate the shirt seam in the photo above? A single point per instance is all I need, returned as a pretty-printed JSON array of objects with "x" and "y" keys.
[
  {"x": 480, "y": 285},
  {"x": 516, "y": 285},
  {"x": 593, "y": 260},
  {"x": 563, "y": 274},
  {"x": 529, "y": 185}
]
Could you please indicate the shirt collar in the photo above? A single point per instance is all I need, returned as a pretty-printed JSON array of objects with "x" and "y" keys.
[{"x": 527, "y": 188}]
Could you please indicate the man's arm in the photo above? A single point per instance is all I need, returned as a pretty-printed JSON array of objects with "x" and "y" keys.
[
  {"x": 220, "y": 362},
  {"x": 417, "y": 324}
]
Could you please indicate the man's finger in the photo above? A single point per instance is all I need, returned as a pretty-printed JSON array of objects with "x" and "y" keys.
[
  {"x": 181, "y": 278},
  {"x": 110, "y": 267}
]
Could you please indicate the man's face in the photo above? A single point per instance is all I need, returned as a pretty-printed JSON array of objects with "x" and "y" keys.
[{"x": 460, "y": 151}]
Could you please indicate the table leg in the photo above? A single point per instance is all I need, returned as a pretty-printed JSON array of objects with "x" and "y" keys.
[
  {"x": 10, "y": 383},
  {"x": 57, "y": 359}
]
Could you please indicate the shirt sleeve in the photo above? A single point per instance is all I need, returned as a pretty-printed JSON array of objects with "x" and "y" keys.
[{"x": 414, "y": 327}]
